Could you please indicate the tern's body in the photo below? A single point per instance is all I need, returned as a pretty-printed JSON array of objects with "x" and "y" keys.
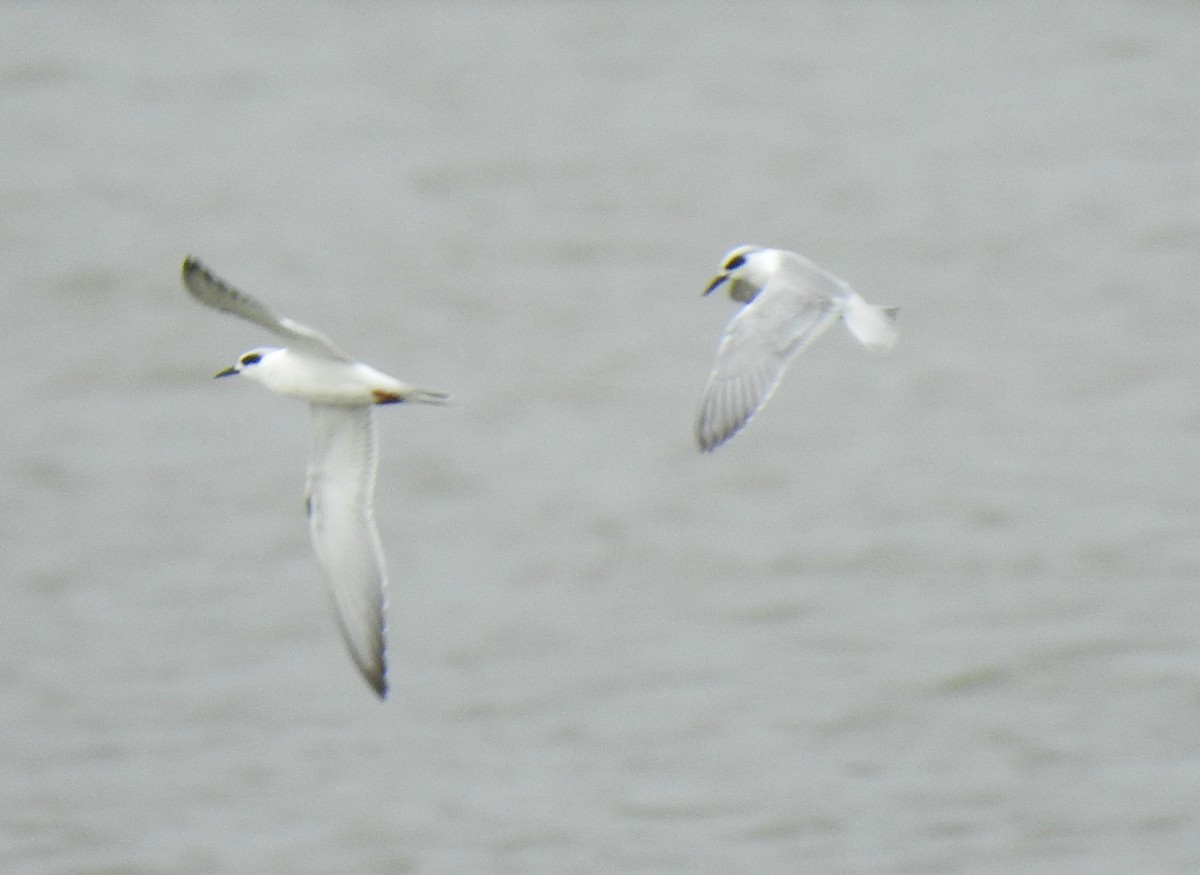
[
  {"x": 789, "y": 302},
  {"x": 326, "y": 381},
  {"x": 341, "y": 470}
]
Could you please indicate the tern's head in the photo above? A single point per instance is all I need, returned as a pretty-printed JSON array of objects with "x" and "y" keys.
[
  {"x": 746, "y": 269},
  {"x": 248, "y": 363}
]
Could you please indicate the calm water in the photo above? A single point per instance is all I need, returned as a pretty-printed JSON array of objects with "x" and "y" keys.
[{"x": 934, "y": 612}]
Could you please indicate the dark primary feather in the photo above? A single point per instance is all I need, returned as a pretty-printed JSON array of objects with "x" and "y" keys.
[{"x": 212, "y": 291}]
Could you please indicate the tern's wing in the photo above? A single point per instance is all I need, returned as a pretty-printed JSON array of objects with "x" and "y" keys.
[
  {"x": 792, "y": 309},
  {"x": 207, "y": 288},
  {"x": 341, "y": 484}
]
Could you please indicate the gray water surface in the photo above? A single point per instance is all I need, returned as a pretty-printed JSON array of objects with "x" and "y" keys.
[{"x": 931, "y": 612}]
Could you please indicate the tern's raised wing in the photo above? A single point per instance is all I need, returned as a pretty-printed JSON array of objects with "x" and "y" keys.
[
  {"x": 792, "y": 309},
  {"x": 341, "y": 486},
  {"x": 209, "y": 289}
]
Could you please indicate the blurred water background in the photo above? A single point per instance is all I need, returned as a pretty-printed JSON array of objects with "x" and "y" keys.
[{"x": 934, "y": 612}]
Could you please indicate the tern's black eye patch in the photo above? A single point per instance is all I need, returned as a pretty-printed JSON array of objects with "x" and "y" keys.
[
  {"x": 251, "y": 358},
  {"x": 735, "y": 262}
]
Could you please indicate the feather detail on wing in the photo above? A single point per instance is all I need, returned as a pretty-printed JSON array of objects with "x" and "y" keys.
[
  {"x": 760, "y": 341},
  {"x": 212, "y": 291},
  {"x": 341, "y": 486}
]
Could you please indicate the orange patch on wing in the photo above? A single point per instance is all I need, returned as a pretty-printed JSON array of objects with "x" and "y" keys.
[{"x": 382, "y": 397}]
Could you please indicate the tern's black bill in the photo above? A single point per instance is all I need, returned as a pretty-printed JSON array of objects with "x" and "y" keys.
[
  {"x": 228, "y": 372},
  {"x": 717, "y": 280}
]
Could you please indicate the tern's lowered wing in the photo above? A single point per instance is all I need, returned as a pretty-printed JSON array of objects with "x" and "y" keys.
[
  {"x": 766, "y": 334},
  {"x": 341, "y": 486}
]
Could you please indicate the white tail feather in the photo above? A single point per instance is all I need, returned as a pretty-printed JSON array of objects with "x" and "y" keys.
[
  {"x": 873, "y": 327},
  {"x": 426, "y": 396}
]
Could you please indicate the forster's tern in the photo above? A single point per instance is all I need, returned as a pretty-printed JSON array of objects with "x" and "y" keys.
[
  {"x": 788, "y": 301},
  {"x": 341, "y": 468}
]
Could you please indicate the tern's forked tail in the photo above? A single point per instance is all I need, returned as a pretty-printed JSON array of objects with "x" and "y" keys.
[
  {"x": 873, "y": 327},
  {"x": 428, "y": 396},
  {"x": 410, "y": 395}
]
